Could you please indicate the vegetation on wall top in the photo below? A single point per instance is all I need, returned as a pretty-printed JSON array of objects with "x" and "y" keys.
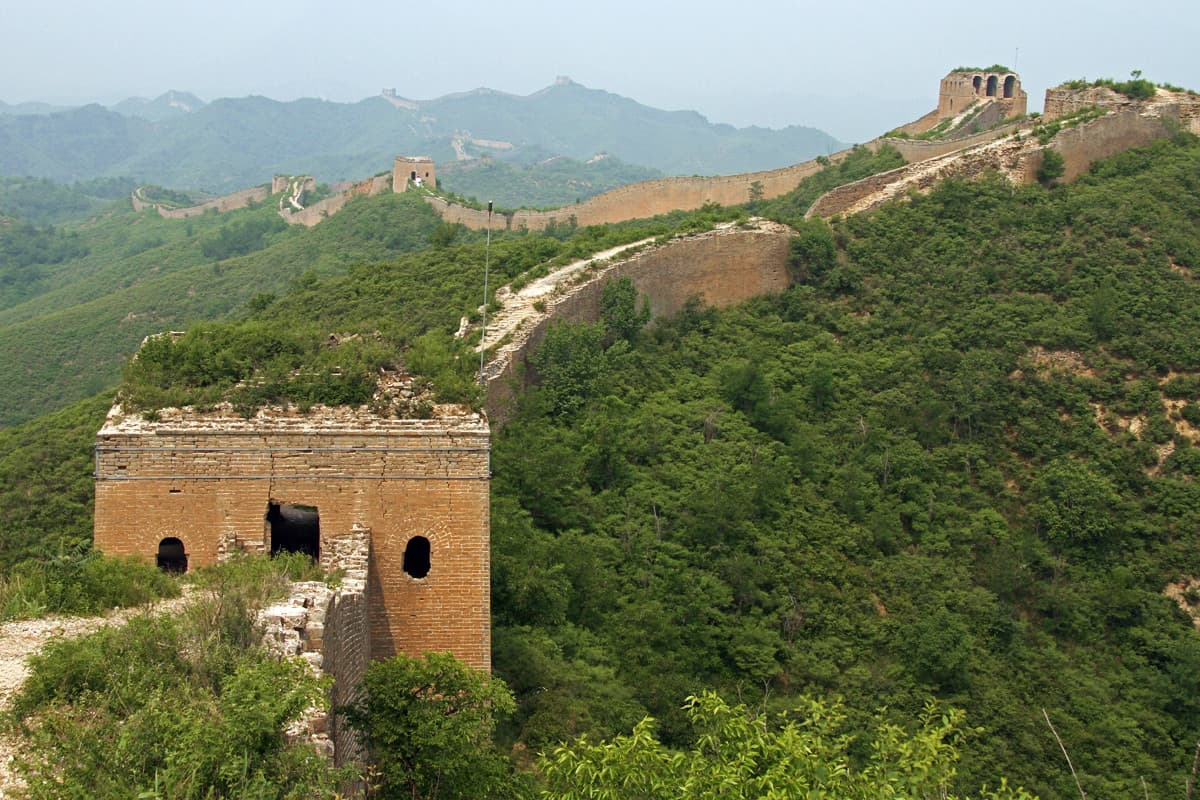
[
  {"x": 992, "y": 68},
  {"x": 1136, "y": 88}
]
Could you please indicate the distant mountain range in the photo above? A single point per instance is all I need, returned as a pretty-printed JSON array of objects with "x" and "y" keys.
[
  {"x": 179, "y": 140},
  {"x": 166, "y": 106}
]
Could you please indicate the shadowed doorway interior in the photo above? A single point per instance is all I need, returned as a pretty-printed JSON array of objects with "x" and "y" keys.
[{"x": 294, "y": 529}]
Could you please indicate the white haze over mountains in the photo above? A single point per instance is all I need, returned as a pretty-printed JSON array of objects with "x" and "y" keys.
[{"x": 853, "y": 68}]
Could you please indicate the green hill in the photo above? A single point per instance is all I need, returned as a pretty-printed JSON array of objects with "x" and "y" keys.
[
  {"x": 143, "y": 274},
  {"x": 957, "y": 460}
]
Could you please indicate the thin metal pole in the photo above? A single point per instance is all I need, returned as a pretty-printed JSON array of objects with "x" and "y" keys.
[{"x": 487, "y": 258}]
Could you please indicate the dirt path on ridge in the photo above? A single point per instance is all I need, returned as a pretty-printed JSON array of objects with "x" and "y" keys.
[{"x": 20, "y": 639}]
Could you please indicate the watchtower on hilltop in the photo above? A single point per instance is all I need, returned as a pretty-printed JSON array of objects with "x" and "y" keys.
[
  {"x": 962, "y": 87},
  {"x": 419, "y": 170}
]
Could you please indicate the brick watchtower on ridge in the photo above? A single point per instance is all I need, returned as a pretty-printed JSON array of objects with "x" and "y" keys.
[
  {"x": 417, "y": 169},
  {"x": 189, "y": 488},
  {"x": 962, "y": 87}
]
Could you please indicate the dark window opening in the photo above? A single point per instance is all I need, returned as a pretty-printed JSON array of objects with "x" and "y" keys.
[
  {"x": 413, "y": 175},
  {"x": 174, "y": 491},
  {"x": 976, "y": 83},
  {"x": 171, "y": 556},
  {"x": 991, "y": 86},
  {"x": 294, "y": 529},
  {"x": 1009, "y": 84},
  {"x": 416, "y": 557}
]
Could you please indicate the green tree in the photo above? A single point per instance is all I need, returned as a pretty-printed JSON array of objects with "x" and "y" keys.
[
  {"x": 1075, "y": 504},
  {"x": 619, "y": 311},
  {"x": 1052, "y": 167},
  {"x": 813, "y": 252},
  {"x": 428, "y": 724},
  {"x": 570, "y": 363},
  {"x": 739, "y": 754}
]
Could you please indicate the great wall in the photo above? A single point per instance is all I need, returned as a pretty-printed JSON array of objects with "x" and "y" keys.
[{"x": 403, "y": 504}]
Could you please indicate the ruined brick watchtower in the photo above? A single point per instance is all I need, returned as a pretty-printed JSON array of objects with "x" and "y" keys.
[
  {"x": 188, "y": 488},
  {"x": 413, "y": 168},
  {"x": 962, "y": 87}
]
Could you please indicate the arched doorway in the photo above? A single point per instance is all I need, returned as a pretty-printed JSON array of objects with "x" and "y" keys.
[
  {"x": 977, "y": 83},
  {"x": 1009, "y": 84},
  {"x": 991, "y": 86},
  {"x": 416, "y": 557},
  {"x": 172, "y": 557},
  {"x": 294, "y": 529}
]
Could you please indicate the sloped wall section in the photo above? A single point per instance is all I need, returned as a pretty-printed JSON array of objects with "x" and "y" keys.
[{"x": 720, "y": 268}]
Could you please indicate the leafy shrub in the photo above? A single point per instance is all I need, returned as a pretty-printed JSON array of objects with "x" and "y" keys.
[
  {"x": 241, "y": 237},
  {"x": 1052, "y": 167},
  {"x": 804, "y": 752},
  {"x": 428, "y": 726},
  {"x": 175, "y": 708},
  {"x": 251, "y": 364},
  {"x": 85, "y": 583}
]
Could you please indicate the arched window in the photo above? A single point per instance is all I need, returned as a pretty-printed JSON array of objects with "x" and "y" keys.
[
  {"x": 294, "y": 529},
  {"x": 171, "y": 556},
  {"x": 991, "y": 86},
  {"x": 976, "y": 83},
  {"x": 1010, "y": 83},
  {"x": 416, "y": 557}
]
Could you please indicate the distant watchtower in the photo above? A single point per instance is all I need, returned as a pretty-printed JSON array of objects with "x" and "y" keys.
[
  {"x": 417, "y": 169},
  {"x": 962, "y": 87}
]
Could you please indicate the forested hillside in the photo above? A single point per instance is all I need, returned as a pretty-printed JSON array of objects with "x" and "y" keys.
[
  {"x": 956, "y": 460},
  {"x": 71, "y": 313}
]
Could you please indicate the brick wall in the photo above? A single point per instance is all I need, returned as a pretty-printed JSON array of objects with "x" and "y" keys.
[
  {"x": 222, "y": 204},
  {"x": 721, "y": 268},
  {"x": 323, "y": 209},
  {"x": 642, "y": 200},
  {"x": 346, "y": 649},
  {"x": 1100, "y": 138},
  {"x": 207, "y": 479}
]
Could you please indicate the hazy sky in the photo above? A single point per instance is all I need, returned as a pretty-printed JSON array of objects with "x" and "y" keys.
[{"x": 851, "y": 67}]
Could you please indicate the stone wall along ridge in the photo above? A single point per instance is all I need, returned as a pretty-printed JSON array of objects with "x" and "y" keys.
[
  {"x": 723, "y": 267},
  {"x": 229, "y": 202},
  {"x": 323, "y": 209},
  {"x": 1019, "y": 157},
  {"x": 643, "y": 200}
]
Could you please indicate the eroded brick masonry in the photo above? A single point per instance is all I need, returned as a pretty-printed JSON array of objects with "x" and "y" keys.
[{"x": 199, "y": 486}]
